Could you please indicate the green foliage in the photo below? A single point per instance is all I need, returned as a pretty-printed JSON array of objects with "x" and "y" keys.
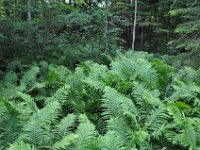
[
  {"x": 67, "y": 33},
  {"x": 132, "y": 101},
  {"x": 56, "y": 31},
  {"x": 138, "y": 102},
  {"x": 21, "y": 146},
  {"x": 188, "y": 26}
]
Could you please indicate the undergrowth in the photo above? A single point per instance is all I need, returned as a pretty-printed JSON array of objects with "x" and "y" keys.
[{"x": 136, "y": 103}]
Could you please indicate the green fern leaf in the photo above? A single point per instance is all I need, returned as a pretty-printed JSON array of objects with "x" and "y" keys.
[
  {"x": 65, "y": 141},
  {"x": 63, "y": 128},
  {"x": 29, "y": 101},
  {"x": 21, "y": 146},
  {"x": 30, "y": 75},
  {"x": 85, "y": 131},
  {"x": 111, "y": 141}
]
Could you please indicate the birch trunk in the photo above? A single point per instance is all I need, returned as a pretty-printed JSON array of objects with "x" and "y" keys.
[
  {"x": 106, "y": 26},
  {"x": 134, "y": 25},
  {"x": 29, "y": 15}
]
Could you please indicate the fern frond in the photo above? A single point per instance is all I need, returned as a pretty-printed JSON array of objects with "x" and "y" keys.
[
  {"x": 188, "y": 135},
  {"x": 21, "y": 146},
  {"x": 29, "y": 102},
  {"x": 37, "y": 129},
  {"x": 186, "y": 75},
  {"x": 120, "y": 126},
  {"x": 60, "y": 95},
  {"x": 85, "y": 131},
  {"x": 130, "y": 67},
  {"x": 10, "y": 126},
  {"x": 33, "y": 132},
  {"x": 96, "y": 84},
  {"x": 164, "y": 75},
  {"x": 10, "y": 91},
  {"x": 116, "y": 105},
  {"x": 4, "y": 111},
  {"x": 30, "y": 75},
  {"x": 182, "y": 90},
  {"x": 10, "y": 130},
  {"x": 63, "y": 128},
  {"x": 140, "y": 136},
  {"x": 156, "y": 121},
  {"x": 145, "y": 99},
  {"x": 48, "y": 114},
  {"x": 111, "y": 141},
  {"x": 65, "y": 142},
  {"x": 185, "y": 134}
]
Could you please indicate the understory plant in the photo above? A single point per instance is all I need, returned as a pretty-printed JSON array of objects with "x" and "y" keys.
[{"x": 137, "y": 102}]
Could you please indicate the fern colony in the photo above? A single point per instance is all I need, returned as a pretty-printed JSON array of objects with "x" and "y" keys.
[{"x": 136, "y": 103}]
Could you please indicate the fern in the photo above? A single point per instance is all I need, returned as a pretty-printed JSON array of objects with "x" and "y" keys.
[
  {"x": 60, "y": 95},
  {"x": 30, "y": 75},
  {"x": 63, "y": 127},
  {"x": 111, "y": 141},
  {"x": 156, "y": 122},
  {"x": 37, "y": 129},
  {"x": 116, "y": 105},
  {"x": 4, "y": 110},
  {"x": 85, "y": 132},
  {"x": 21, "y": 146},
  {"x": 188, "y": 135},
  {"x": 123, "y": 130},
  {"x": 66, "y": 141},
  {"x": 29, "y": 101},
  {"x": 138, "y": 102}
]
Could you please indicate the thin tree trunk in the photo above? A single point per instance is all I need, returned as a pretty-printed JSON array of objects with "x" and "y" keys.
[
  {"x": 134, "y": 25},
  {"x": 172, "y": 6},
  {"x": 6, "y": 6},
  {"x": 106, "y": 27},
  {"x": 29, "y": 15}
]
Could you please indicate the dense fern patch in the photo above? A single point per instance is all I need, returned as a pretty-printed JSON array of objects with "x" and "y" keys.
[{"x": 138, "y": 102}]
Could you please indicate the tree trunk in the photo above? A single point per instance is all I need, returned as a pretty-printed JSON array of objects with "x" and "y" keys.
[
  {"x": 134, "y": 25},
  {"x": 6, "y": 6},
  {"x": 29, "y": 15},
  {"x": 106, "y": 27}
]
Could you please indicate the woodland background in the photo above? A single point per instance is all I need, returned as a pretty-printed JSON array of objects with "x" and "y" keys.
[{"x": 71, "y": 31}]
